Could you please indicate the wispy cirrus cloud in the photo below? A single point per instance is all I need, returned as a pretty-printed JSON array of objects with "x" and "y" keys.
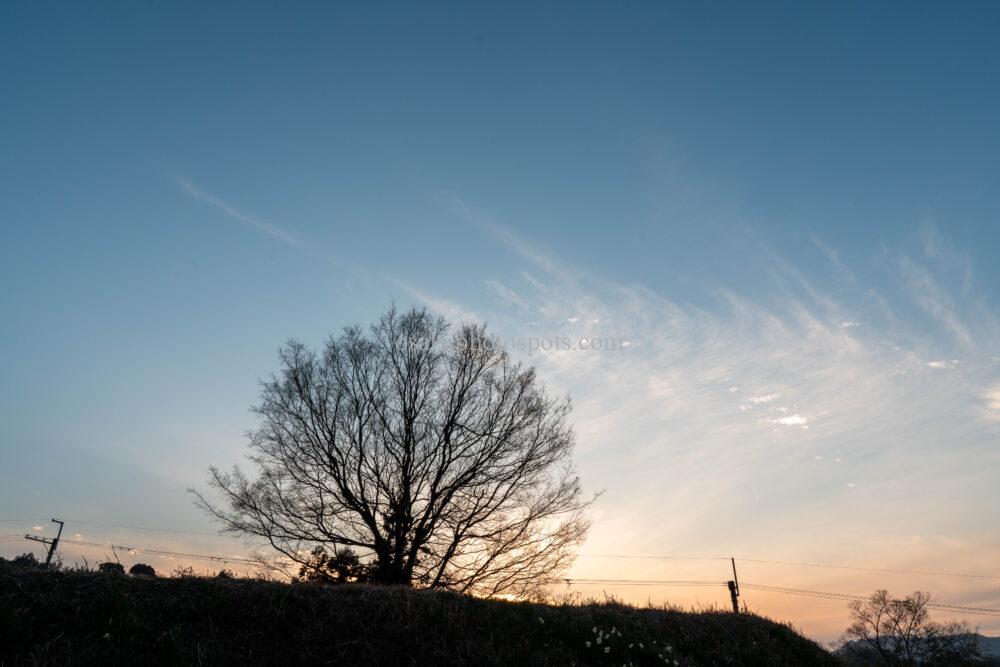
[
  {"x": 959, "y": 263},
  {"x": 440, "y": 305},
  {"x": 280, "y": 234},
  {"x": 485, "y": 223},
  {"x": 232, "y": 212},
  {"x": 934, "y": 299},
  {"x": 830, "y": 419},
  {"x": 829, "y": 423}
]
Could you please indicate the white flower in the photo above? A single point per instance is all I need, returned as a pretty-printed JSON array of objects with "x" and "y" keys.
[
  {"x": 607, "y": 649},
  {"x": 598, "y": 640},
  {"x": 587, "y": 643}
]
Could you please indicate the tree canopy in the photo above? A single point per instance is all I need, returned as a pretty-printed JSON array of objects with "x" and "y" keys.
[
  {"x": 899, "y": 631},
  {"x": 422, "y": 447}
]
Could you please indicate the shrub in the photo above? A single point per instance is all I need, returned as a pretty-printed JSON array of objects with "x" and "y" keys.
[
  {"x": 343, "y": 567},
  {"x": 142, "y": 570},
  {"x": 111, "y": 568},
  {"x": 26, "y": 560}
]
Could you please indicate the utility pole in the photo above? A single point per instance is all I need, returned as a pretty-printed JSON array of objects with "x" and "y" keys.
[
  {"x": 53, "y": 543},
  {"x": 734, "y": 588}
]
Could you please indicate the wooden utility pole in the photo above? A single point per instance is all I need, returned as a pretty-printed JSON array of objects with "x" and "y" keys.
[
  {"x": 52, "y": 544},
  {"x": 734, "y": 588}
]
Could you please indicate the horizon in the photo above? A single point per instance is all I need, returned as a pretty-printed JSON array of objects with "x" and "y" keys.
[{"x": 780, "y": 223}]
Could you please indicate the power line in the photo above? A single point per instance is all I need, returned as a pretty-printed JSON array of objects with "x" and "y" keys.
[
  {"x": 799, "y": 564},
  {"x": 587, "y": 555},
  {"x": 162, "y": 552},
  {"x": 655, "y": 557},
  {"x": 582, "y": 581},
  {"x": 986, "y": 611},
  {"x": 646, "y": 582},
  {"x": 123, "y": 525},
  {"x": 694, "y": 583},
  {"x": 872, "y": 569},
  {"x": 145, "y": 528},
  {"x": 940, "y": 606}
]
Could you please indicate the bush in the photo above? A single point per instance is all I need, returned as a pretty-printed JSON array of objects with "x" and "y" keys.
[
  {"x": 142, "y": 570},
  {"x": 111, "y": 568},
  {"x": 26, "y": 560},
  {"x": 343, "y": 567}
]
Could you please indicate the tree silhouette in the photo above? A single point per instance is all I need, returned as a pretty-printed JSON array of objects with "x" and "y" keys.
[
  {"x": 111, "y": 568},
  {"x": 26, "y": 560},
  {"x": 142, "y": 570},
  {"x": 892, "y": 632},
  {"x": 343, "y": 567},
  {"x": 443, "y": 462}
]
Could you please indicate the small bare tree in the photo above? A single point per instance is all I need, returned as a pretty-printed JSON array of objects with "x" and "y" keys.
[
  {"x": 441, "y": 461},
  {"x": 892, "y": 632}
]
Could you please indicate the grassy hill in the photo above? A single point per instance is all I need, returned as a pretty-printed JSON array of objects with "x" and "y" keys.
[{"x": 78, "y": 617}]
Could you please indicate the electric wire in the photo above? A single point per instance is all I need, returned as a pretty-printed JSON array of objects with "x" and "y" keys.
[{"x": 790, "y": 563}]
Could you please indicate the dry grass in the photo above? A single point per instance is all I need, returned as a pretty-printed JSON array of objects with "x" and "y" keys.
[{"x": 76, "y": 617}]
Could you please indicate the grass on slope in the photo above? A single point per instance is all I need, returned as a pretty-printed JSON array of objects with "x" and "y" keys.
[{"x": 75, "y": 617}]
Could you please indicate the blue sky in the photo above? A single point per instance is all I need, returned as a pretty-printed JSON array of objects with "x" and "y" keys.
[{"x": 790, "y": 212}]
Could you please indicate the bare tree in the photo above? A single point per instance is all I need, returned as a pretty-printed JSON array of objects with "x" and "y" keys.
[
  {"x": 443, "y": 462},
  {"x": 890, "y": 631}
]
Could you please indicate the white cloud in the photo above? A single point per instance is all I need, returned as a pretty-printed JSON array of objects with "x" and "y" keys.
[
  {"x": 943, "y": 363},
  {"x": 792, "y": 420}
]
